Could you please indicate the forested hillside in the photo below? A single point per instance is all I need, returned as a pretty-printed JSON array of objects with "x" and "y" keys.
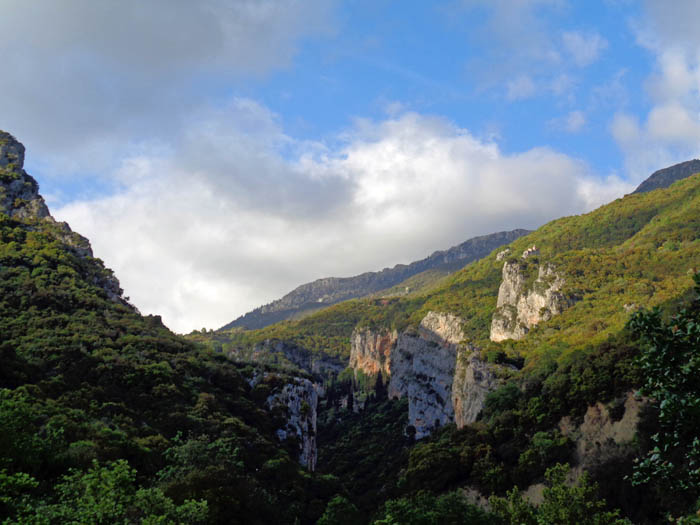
[{"x": 108, "y": 417}]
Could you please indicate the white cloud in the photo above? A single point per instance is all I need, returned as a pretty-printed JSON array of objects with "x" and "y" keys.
[
  {"x": 583, "y": 48},
  {"x": 519, "y": 88},
  {"x": 106, "y": 74},
  {"x": 670, "y": 132},
  {"x": 573, "y": 122},
  {"x": 236, "y": 213}
]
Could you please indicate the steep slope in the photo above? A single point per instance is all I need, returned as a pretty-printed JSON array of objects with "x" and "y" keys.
[
  {"x": 663, "y": 178},
  {"x": 571, "y": 287},
  {"x": 108, "y": 417},
  {"x": 331, "y": 290}
]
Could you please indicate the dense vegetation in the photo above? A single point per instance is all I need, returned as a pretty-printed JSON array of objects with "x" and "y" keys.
[
  {"x": 108, "y": 417},
  {"x": 636, "y": 252}
]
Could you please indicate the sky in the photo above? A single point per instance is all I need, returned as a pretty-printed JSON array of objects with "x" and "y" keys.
[{"x": 220, "y": 153}]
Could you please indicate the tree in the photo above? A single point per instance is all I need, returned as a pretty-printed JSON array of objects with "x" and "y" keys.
[
  {"x": 670, "y": 361},
  {"x": 340, "y": 511},
  {"x": 108, "y": 494},
  {"x": 426, "y": 509},
  {"x": 380, "y": 392},
  {"x": 562, "y": 504}
]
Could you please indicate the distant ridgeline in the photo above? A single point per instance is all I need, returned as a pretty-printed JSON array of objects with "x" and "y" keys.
[
  {"x": 321, "y": 293},
  {"x": 665, "y": 177}
]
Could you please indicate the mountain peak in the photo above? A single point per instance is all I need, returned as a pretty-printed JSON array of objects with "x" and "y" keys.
[
  {"x": 663, "y": 178},
  {"x": 11, "y": 151},
  {"x": 19, "y": 192}
]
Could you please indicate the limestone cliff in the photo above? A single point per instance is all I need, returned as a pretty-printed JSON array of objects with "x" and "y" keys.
[
  {"x": 521, "y": 306},
  {"x": 473, "y": 381},
  {"x": 299, "y": 398},
  {"x": 601, "y": 437},
  {"x": 371, "y": 351},
  {"x": 423, "y": 371},
  {"x": 424, "y": 367}
]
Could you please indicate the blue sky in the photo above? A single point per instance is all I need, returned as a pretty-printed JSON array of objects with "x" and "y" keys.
[{"x": 220, "y": 153}]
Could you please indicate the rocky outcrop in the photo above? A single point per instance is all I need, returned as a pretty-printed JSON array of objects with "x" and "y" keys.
[
  {"x": 441, "y": 328},
  {"x": 423, "y": 366},
  {"x": 521, "y": 306},
  {"x": 473, "y": 381},
  {"x": 299, "y": 397},
  {"x": 602, "y": 437},
  {"x": 19, "y": 192},
  {"x": 503, "y": 254},
  {"x": 370, "y": 352},
  {"x": 423, "y": 371},
  {"x": 331, "y": 290},
  {"x": 20, "y": 200}
]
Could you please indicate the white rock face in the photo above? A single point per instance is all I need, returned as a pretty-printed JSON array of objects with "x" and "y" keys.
[
  {"x": 502, "y": 254},
  {"x": 423, "y": 367},
  {"x": 473, "y": 381},
  {"x": 441, "y": 328},
  {"x": 519, "y": 309},
  {"x": 423, "y": 371},
  {"x": 371, "y": 351},
  {"x": 300, "y": 398}
]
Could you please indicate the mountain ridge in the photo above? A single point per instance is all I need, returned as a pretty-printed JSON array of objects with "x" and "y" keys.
[
  {"x": 332, "y": 290},
  {"x": 664, "y": 177}
]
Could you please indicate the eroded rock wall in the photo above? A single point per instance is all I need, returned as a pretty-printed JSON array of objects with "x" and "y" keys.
[
  {"x": 299, "y": 397},
  {"x": 521, "y": 306},
  {"x": 422, "y": 365},
  {"x": 371, "y": 352},
  {"x": 423, "y": 371},
  {"x": 473, "y": 381}
]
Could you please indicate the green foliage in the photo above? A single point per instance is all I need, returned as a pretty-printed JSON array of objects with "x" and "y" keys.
[
  {"x": 670, "y": 363},
  {"x": 425, "y": 509},
  {"x": 86, "y": 379},
  {"x": 561, "y": 505},
  {"x": 108, "y": 494},
  {"x": 635, "y": 250},
  {"x": 340, "y": 511},
  {"x": 364, "y": 450}
]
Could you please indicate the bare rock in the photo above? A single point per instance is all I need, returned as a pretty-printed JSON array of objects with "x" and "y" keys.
[
  {"x": 299, "y": 398},
  {"x": 474, "y": 379},
  {"x": 371, "y": 351},
  {"x": 520, "y": 307}
]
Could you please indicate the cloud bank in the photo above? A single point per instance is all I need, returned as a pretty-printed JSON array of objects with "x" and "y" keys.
[{"x": 236, "y": 212}]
